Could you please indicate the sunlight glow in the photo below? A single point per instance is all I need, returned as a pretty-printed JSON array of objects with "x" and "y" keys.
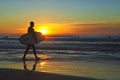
[
  {"x": 42, "y": 63},
  {"x": 43, "y": 29}
]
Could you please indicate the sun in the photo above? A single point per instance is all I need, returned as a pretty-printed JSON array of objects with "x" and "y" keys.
[{"x": 43, "y": 32}]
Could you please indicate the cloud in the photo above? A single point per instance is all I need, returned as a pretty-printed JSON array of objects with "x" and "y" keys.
[{"x": 96, "y": 28}]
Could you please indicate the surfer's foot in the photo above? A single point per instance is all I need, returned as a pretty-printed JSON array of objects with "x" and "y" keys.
[
  {"x": 23, "y": 59},
  {"x": 37, "y": 58}
]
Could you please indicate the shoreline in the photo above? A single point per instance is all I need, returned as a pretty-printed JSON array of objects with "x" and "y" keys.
[{"x": 16, "y": 74}]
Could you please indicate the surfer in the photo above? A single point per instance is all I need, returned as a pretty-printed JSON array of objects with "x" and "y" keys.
[{"x": 31, "y": 31}]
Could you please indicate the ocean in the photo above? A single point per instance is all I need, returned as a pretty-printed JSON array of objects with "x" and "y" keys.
[{"x": 95, "y": 56}]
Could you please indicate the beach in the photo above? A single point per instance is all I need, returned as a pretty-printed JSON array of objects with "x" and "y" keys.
[
  {"x": 64, "y": 57},
  {"x": 13, "y": 74},
  {"x": 59, "y": 39}
]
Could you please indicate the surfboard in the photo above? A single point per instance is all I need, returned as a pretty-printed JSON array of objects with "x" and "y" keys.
[{"x": 28, "y": 38}]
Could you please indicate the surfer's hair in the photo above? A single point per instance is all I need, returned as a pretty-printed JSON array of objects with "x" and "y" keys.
[{"x": 31, "y": 23}]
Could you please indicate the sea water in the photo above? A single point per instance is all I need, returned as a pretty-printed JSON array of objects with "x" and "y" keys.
[{"x": 96, "y": 56}]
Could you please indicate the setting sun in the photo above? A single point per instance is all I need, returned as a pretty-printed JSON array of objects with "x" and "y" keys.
[{"x": 43, "y": 31}]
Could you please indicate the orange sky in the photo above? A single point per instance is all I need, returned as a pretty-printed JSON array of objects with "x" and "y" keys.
[
  {"x": 68, "y": 28},
  {"x": 60, "y": 16}
]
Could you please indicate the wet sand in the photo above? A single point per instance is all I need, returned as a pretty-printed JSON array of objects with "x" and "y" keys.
[{"x": 16, "y": 74}]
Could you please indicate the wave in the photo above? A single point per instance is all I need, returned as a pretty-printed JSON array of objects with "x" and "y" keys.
[{"x": 69, "y": 42}]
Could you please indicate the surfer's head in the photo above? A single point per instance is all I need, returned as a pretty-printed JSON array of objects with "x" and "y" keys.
[{"x": 31, "y": 23}]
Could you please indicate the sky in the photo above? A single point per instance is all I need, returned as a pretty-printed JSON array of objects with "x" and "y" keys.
[{"x": 60, "y": 16}]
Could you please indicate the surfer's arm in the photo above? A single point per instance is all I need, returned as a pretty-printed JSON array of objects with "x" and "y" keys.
[
  {"x": 35, "y": 38},
  {"x": 34, "y": 35},
  {"x": 31, "y": 30}
]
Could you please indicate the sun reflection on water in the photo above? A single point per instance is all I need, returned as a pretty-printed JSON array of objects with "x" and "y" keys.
[{"x": 42, "y": 63}]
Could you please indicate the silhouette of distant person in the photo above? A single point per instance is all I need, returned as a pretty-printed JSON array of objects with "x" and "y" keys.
[{"x": 31, "y": 31}]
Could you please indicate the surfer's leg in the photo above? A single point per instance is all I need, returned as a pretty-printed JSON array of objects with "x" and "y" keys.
[
  {"x": 34, "y": 51},
  {"x": 28, "y": 47}
]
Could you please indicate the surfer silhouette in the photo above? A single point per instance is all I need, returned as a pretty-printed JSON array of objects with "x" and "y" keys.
[{"x": 31, "y": 31}]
